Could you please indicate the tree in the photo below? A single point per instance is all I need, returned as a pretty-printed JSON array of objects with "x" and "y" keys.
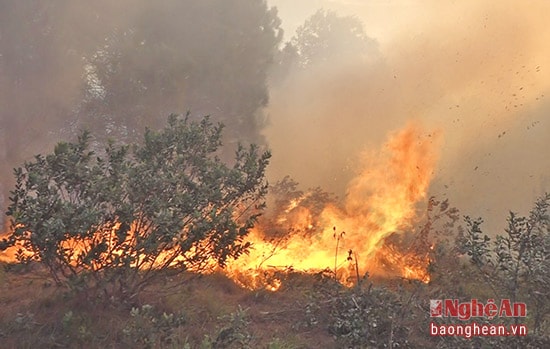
[
  {"x": 211, "y": 56},
  {"x": 329, "y": 38},
  {"x": 110, "y": 220},
  {"x": 115, "y": 66}
]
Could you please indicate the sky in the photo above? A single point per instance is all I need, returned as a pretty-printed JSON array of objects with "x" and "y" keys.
[{"x": 476, "y": 71}]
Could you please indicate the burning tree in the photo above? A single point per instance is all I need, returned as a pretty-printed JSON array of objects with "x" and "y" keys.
[{"x": 110, "y": 220}]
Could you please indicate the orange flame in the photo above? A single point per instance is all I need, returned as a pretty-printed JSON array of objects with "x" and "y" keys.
[
  {"x": 379, "y": 201},
  {"x": 348, "y": 240}
]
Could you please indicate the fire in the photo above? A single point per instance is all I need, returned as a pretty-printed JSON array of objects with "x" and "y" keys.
[
  {"x": 349, "y": 238},
  {"x": 409, "y": 265},
  {"x": 9, "y": 255},
  {"x": 380, "y": 200}
]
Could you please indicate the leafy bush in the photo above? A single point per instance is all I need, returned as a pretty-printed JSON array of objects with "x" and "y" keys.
[
  {"x": 365, "y": 318},
  {"x": 516, "y": 264},
  {"x": 149, "y": 329},
  {"x": 233, "y": 335},
  {"x": 111, "y": 219}
]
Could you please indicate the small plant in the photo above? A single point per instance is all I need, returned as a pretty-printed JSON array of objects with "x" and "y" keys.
[
  {"x": 76, "y": 327},
  {"x": 311, "y": 319},
  {"x": 369, "y": 318},
  {"x": 235, "y": 334},
  {"x": 150, "y": 329},
  {"x": 24, "y": 321},
  {"x": 338, "y": 237}
]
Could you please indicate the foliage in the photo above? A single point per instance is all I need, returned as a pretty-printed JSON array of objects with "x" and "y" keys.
[
  {"x": 520, "y": 263},
  {"x": 370, "y": 317},
  {"x": 474, "y": 243},
  {"x": 182, "y": 48},
  {"x": 114, "y": 66},
  {"x": 147, "y": 328},
  {"x": 121, "y": 65},
  {"x": 429, "y": 245},
  {"x": 303, "y": 314},
  {"x": 112, "y": 219},
  {"x": 75, "y": 328},
  {"x": 327, "y": 37},
  {"x": 440, "y": 221},
  {"x": 234, "y": 334},
  {"x": 285, "y": 200}
]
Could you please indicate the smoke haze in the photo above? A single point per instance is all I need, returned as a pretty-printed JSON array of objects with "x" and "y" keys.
[
  {"x": 117, "y": 67},
  {"x": 476, "y": 70}
]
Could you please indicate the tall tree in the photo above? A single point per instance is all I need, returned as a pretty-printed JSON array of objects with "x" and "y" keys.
[
  {"x": 116, "y": 67},
  {"x": 327, "y": 37},
  {"x": 211, "y": 57}
]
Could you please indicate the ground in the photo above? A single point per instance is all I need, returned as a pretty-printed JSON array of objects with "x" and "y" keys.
[
  {"x": 34, "y": 313},
  {"x": 212, "y": 311}
]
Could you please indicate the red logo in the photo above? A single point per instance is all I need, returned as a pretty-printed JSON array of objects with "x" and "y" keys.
[
  {"x": 474, "y": 308},
  {"x": 436, "y": 308}
]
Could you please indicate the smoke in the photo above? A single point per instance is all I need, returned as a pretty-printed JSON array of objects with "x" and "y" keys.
[
  {"x": 477, "y": 70},
  {"x": 117, "y": 67}
]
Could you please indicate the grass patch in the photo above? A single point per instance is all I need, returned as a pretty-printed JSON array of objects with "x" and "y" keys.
[{"x": 210, "y": 311}]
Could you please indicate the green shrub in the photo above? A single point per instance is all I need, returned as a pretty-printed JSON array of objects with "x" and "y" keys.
[
  {"x": 150, "y": 329},
  {"x": 365, "y": 318},
  {"x": 110, "y": 219}
]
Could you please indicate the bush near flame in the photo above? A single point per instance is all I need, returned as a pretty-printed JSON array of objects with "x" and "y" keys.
[
  {"x": 308, "y": 231},
  {"x": 111, "y": 219}
]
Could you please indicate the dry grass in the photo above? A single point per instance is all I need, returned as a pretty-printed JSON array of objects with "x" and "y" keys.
[
  {"x": 208, "y": 311},
  {"x": 34, "y": 313}
]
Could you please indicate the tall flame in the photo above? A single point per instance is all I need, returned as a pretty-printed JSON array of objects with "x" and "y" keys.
[{"x": 380, "y": 200}]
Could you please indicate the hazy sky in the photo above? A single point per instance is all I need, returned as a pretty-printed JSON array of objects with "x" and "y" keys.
[
  {"x": 475, "y": 71},
  {"x": 478, "y": 71}
]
